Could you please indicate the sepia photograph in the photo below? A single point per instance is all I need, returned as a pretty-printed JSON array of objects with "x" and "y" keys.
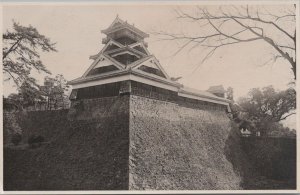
[{"x": 149, "y": 96}]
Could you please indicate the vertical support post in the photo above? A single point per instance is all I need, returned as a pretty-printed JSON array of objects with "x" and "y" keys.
[{"x": 125, "y": 88}]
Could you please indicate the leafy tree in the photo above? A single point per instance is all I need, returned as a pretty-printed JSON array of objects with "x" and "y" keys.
[
  {"x": 13, "y": 102},
  {"x": 27, "y": 96},
  {"x": 229, "y": 25},
  {"x": 229, "y": 93},
  {"x": 47, "y": 90},
  {"x": 266, "y": 106},
  {"x": 278, "y": 130},
  {"x": 61, "y": 90},
  {"x": 30, "y": 94},
  {"x": 21, "y": 48},
  {"x": 54, "y": 90},
  {"x": 235, "y": 109}
]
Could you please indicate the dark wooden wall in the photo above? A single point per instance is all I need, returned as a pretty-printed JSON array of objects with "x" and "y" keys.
[
  {"x": 143, "y": 90},
  {"x": 107, "y": 90}
]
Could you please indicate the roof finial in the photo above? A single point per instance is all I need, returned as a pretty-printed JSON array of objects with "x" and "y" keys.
[{"x": 117, "y": 16}]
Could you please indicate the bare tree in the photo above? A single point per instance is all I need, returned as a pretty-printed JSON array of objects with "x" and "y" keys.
[{"x": 228, "y": 25}]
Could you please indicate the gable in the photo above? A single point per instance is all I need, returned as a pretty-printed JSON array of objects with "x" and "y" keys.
[
  {"x": 151, "y": 67},
  {"x": 101, "y": 65},
  {"x": 103, "y": 62},
  {"x": 151, "y": 63},
  {"x": 126, "y": 58},
  {"x": 116, "y": 24},
  {"x": 111, "y": 47},
  {"x": 140, "y": 46},
  {"x": 126, "y": 40},
  {"x": 152, "y": 70},
  {"x": 102, "y": 69},
  {"x": 140, "y": 49}
]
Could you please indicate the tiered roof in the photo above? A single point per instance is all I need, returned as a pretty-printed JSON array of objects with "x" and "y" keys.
[
  {"x": 119, "y": 25},
  {"x": 125, "y": 57},
  {"x": 118, "y": 57}
]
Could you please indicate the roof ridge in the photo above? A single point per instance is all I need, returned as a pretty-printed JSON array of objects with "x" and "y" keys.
[
  {"x": 126, "y": 48},
  {"x": 126, "y": 24},
  {"x": 205, "y": 93}
]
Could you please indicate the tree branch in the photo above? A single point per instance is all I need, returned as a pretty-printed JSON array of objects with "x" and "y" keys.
[
  {"x": 12, "y": 48},
  {"x": 286, "y": 116},
  {"x": 249, "y": 24}
]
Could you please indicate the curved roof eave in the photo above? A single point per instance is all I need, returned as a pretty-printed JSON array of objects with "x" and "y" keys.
[{"x": 203, "y": 94}]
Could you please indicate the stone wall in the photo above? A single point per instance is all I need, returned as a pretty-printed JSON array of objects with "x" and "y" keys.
[
  {"x": 168, "y": 146},
  {"x": 178, "y": 148},
  {"x": 138, "y": 143},
  {"x": 90, "y": 154}
]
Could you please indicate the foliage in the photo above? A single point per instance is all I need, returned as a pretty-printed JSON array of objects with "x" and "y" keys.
[
  {"x": 229, "y": 93},
  {"x": 265, "y": 107},
  {"x": 228, "y": 25},
  {"x": 35, "y": 140},
  {"x": 21, "y": 48},
  {"x": 16, "y": 139},
  {"x": 234, "y": 107},
  {"x": 55, "y": 90},
  {"x": 278, "y": 130},
  {"x": 268, "y": 103},
  {"x": 13, "y": 102},
  {"x": 29, "y": 94},
  {"x": 52, "y": 95}
]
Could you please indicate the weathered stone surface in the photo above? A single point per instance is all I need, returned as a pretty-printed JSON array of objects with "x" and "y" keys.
[
  {"x": 91, "y": 154},
  {"x": 131, "y": 142},
  {"x": 177, "y": 148}
]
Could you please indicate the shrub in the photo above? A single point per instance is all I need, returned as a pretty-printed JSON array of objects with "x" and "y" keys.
[
  {"x": 35, "y": 141},
  {"x": 16, "y": 139}
]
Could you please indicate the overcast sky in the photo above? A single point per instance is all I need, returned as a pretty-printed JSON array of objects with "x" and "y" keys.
[{"x": 76, "y": 31}]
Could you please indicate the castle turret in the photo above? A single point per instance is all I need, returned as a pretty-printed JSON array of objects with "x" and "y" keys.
[
  {"x": 124, "y": 57},
  {"x": 125, "y": 66}
]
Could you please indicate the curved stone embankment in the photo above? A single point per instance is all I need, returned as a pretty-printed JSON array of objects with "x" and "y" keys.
[{"x": 178, "y": 148}]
